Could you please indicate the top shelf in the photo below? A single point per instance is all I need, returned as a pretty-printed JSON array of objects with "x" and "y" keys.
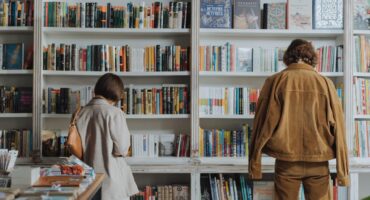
[
  {"x": 270, "y": 33},
  {"x": 16, "y": 29},
  {"x": 115, "y": 31}
]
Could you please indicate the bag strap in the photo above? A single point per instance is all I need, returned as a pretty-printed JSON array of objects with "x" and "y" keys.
[{"x": 75, "y": 115}]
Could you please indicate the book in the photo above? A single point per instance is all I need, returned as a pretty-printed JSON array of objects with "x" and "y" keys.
[
  {"x": 247, "y": 14},
  {"x": 15, "y": 99},
  {"x": 245, "y": 60},
  {"x": 16, "y": 13},
  {"x": 263, "y": 190},
  {"x": 17, "y": 139},
  {"x": 215, "y": 13},
  {"x": 361, "y": 53},
  {"x": 63, "y": 181},
  {"x": 274, "y": 16},
  {"x": 361, "y": 14},
  {"x": 13, "y": 56},
  {"x": 328, "y": 14},
  {"x": 54, "y": 143},
  {"x": 299, "y": 15},
  {"x": 163, "y": 192}
]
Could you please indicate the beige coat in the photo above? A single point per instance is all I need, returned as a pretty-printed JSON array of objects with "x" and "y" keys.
[{"x": 104, "y": 132}]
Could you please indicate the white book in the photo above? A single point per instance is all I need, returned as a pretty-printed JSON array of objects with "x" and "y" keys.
[
  {"x": 170, "y": 15},
  {"x": 299, "y": 15},
  {"x": 179, "y": 14},
  {"x": 141, "y": 15},
  {"x": 83, "y": 11}
]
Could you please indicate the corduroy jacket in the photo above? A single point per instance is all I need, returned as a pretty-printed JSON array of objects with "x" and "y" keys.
[{"x": 299, "y": 117}]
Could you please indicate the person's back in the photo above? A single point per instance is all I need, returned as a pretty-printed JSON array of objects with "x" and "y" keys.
[
  {"x": 299, "y": 121},
  {"x": 106, "y": 139}
]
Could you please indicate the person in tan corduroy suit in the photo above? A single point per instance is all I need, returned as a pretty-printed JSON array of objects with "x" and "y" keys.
[{"x": 299, "y": 121}]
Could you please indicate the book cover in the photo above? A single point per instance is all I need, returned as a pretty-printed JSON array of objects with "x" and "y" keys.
[
  {"x": 180, "y": 192},
  {"x": 263, "y": 190},
  {"x": 244, "y": 60},
  {"x": 13, "y": 56},
  {"x": 361, "y": 16},
  {"x": 328, "y": 14},
  {"x": 247, "y": 14},
  {"x": 275, "y": 15},
  {"x": 215, "y": 13},
  {"x": 299, "y": 15}
]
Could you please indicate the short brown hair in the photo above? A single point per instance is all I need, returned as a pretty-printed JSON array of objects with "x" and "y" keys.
[
  {"x": 110, "y": 86},
  {"x": 300, "y": 50}
]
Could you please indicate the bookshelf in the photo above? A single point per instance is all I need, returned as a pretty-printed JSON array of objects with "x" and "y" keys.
[{"x": 188, "y": 169}]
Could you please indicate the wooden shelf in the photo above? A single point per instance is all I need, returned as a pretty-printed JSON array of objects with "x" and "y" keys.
[
  {"x": 180, "y": 116},
  {"x": 147, "y": 161},
  {"x": 226, "y": 116},
  {"x": 16, "y": 72},
  {"x": 358, "y": 117},
  {"x": 123, "y": 74},
  {"x": 257, "y": 74},
  {"x": 15, "y": 115},
  {"x": 15, "y": 29},
  {"x": 270, "y": 33},
  {"x": 115, "y": 31},
  {"x": 362, "y": 74}
]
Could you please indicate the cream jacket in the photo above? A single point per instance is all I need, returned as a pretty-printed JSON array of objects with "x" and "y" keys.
[{"x": 104, "y": 133}]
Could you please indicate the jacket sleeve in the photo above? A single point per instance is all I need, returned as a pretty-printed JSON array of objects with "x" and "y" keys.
[
  {"x": 265, "y": 120},
  {"x": 120, "y": 135},
  {"x": 337, "y": 127}
]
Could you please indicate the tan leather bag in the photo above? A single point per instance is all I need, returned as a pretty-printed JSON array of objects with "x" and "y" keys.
[{"x": 74, "y": 143}]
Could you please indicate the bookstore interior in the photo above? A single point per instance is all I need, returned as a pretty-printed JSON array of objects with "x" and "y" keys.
[{"x": 192, "y": 72}]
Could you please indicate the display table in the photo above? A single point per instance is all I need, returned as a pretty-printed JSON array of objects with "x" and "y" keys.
[{"x": 93, "y": 188}]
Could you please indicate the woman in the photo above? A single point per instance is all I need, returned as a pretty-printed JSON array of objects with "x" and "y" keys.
[
  {"x": 106, "y": 138},
  {"x": 299, "y": 121}
]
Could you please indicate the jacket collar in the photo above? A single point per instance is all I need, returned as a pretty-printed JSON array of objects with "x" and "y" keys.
[
  {"x": 294, "y": 66},
  {"x": 97, "y": 101}
]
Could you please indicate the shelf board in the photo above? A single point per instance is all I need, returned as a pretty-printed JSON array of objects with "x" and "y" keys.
[
  {"x": 15, "y": 115},
  {"x": 231, "y": 161},
  {"x": 16, "y": 29},
  {"x": 257, "y": 74},
  {"x": 157, "y": 161},
  {"x": 123, "y": 74},
  {"x": 270, "y": 33},
  {"x": 361, "y": 32},
  {"x": 361, "y": 74},
  {"x": 367, "y": 117},
  {"x": 179, "y": 116},
  {"x": 16, "y": 72},
  {"x": 115, "y": 31},
  {"x": 201, "y": 116}
]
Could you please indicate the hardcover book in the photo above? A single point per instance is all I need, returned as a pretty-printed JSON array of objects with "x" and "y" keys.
[
  {"x": 274, "y": 16},
  {"x": 299, "y": 15},
  {"x": 328, "y": 14},
  {"x": 13, "y": 56},
  {"x": 361, "y": 17},
  {"x": 247, "y": 14},
  {"x": 215, "y": 13},
  {"x": 244, "y": 60}
]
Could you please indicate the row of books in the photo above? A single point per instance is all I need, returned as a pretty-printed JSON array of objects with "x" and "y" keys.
[
  {"x": 54, "y": 143},
  {"x": 361, "y": 139},
  {"x": 64, "y": 57},
  {"x": 132, "y": 15},
  {"x": 17, "y": 139},
  {"x": 15, "y": 99},
  {"x": 224, "y": 143},
  {"x": 65, "y": 100},
  {"x": 12, "y": 56},
  {"x": 165, "y": 99},
  {"x": 362, "y": 95},
  {"x": 16, "y": 12},
  {"x": 362, "y": 54},
  {"x": 160, "y": 145},
  {"x": 228, "y": 58},
  {"x": 163, "y": 192},
  {"x": 228, "y": 101},
  {"x": 296, "y": 14}
]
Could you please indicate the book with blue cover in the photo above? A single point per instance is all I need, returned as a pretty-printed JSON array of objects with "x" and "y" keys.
[
  {"x": 13, "y": 56},
  {"x": 215, "y": 13},
  {"x": 328, "y": 14}
]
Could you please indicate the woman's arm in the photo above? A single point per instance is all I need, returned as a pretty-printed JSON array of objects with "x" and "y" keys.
[{"x": 120, "y": 135}]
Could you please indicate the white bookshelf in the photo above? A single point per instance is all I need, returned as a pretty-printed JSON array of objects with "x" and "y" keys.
[
  {"x": 241, "y": 117},
  {"x": 122, "y": 74},
  {"x": 270, "y": 33},
  {"x": 361, "y": 74},
  {"x": 15, "y": 115},
  {"x": 179, "y": 116},
  {"x": 166, "y": 161},
  {"x": 362, "y": 117},
  {"x": 257, "y": 74},
  {"x": 15, "y": 72},
  {"x": 15, "y": 29}
]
